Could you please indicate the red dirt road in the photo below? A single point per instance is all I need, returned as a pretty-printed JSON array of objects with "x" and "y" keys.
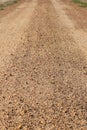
[{"x": 43, "y": 67}]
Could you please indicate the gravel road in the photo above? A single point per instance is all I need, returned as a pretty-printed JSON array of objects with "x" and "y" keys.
[{"x": 43, "y": 67}]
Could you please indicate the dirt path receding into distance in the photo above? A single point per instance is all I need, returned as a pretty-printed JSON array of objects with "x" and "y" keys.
[{"x": 43, "y": 69}]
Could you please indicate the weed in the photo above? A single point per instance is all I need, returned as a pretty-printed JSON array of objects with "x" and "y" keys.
[
  {"x": 8, "y": 3},
  {"x": 80, "y": 2}
]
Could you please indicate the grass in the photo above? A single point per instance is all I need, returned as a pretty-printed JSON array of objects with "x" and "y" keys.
[
  {"x": 82, "y": 3},
  {"x": 8, "y": 3}
]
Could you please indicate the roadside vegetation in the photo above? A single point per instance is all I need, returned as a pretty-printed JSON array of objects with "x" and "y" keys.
[
  {"x": 82, "y": 3},
  {"x": 8, "y": 3}
]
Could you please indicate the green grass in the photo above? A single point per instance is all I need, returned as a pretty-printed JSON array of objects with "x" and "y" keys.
[
  {"x": 8, "y": 3},
  {"x": 80, "y": 2}
]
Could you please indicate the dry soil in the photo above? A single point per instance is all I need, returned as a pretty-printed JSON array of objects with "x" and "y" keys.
[{"x": 43, "y": 67}]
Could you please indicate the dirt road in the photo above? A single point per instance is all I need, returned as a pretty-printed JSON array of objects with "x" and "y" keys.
[{"x": 43, "y": 67}]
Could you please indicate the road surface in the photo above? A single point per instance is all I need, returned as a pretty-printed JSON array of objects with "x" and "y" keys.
[{"x": 43, "y": 66}]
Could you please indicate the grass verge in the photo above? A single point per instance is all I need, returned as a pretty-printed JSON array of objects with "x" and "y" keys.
[
  {"x": 82, "y": 3},
  {"x": 8, "y": 3}
]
